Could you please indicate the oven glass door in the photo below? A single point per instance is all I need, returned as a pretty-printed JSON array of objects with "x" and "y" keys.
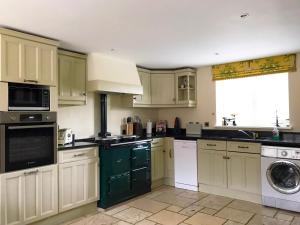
[
  {"x": 29, "y": 146},
  {"x": 284, "y": 176},
  {"x": 28, "y": 98}
]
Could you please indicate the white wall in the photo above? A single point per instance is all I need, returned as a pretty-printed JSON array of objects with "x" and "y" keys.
[{"x": 85, "y": 120}]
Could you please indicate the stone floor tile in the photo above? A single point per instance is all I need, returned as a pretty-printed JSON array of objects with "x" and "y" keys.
[
  {"x": 235, "y": 215},
  {"x": 229, "y": 222},
  {"x": 296, "y": 221},
  {"x": 122, "y": 223},
  {"x": 191, "y": 210},
  {"x": 98, "y": 219},
  {"x": 145, "y": 222},
  {"x": 253, "y": 207},
  {"x": 204, "y": 219},
  {"x": 115, "y": 210},
  {"x": 173, "y": 199},
  {"x": 193, "y": 194},
  {"x": 264, "y": 220},
  {"x": 283, "y": 216},
  {"x": 148, "y": 205},
  {"x": 174, "y": 208},
  {"x": 209, "y": 211},
  {"x": 167, "y": 218},
  {"x": 132, "y": 215},
  {"x": 214, "y": 202}
]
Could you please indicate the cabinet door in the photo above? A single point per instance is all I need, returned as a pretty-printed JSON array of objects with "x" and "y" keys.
[
  {"x": 66, "y": 188},
  {"x": 163, "y": 89},
  {"x": 30, "y": 66},
  {"x": 244, "y": 172},
  {"x": 11, "y": 49},
  {"x": 145, "y": 98},
  {"x": 78, "y": 78},
  {"x": 212, "y": 167},
  {"x": 47, "y": 65},
  {"x": 157, "y": 164},
  {"x": 92, "y": 180},
  {"x": 169, "y": 158},
  {"x": 48, "y": 191},
  {"x": 31, "y": 189},
  {"x": 12, "y": 212},
  {"x": 65, "y": 64}
]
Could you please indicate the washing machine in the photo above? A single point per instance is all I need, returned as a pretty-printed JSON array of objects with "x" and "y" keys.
[{"x": 280, "y": 177}]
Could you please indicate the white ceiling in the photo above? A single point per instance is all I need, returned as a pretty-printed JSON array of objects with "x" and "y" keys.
[{"x": 163, "y": 33}]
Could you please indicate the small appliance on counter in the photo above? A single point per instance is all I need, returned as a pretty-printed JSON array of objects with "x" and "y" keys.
[
  {"x": 64, "y": 136},
  {"x": 132, "y": 126},
  {"x": 194, "y": 129}
]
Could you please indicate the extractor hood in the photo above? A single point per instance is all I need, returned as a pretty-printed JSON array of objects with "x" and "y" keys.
[{"x": 112, "y": 75}]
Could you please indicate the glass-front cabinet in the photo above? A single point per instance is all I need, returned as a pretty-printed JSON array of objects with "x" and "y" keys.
[{"x": 186, "y": 87}]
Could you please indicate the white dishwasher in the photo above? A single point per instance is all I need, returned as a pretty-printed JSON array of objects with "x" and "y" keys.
[{"x": 185, "y": 163}]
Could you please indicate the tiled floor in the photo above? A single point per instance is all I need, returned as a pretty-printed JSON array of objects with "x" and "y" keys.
[{"x": 171, "y": 206}]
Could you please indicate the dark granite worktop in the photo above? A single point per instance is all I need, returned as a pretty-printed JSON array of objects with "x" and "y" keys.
[{"x": 77, "y": 144}]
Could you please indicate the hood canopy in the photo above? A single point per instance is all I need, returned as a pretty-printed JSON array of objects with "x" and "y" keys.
[{"x": 112, "y": 75}]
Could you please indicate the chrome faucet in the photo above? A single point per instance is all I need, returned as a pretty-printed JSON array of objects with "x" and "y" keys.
[{"x": 252, "y": 136}]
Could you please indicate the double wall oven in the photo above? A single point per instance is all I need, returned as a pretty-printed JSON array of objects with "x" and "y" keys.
[{"x": 27, "y": 139}]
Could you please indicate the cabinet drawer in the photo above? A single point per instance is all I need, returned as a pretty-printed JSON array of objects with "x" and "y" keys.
[
  {"x": 212, "y": 145},
  {"x": 243, "y": 147},
  {"x": 157, "y": 142},
  {"x": 77, "y": 154}
]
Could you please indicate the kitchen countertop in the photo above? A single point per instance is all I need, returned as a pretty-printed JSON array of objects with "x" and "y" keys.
[{"x": 79, "y": 144}]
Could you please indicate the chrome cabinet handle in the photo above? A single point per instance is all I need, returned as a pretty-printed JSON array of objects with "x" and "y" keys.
[
  {"x": 80, "y": 154},
  {"x": 30, "y": 81},
  {"x": 243, "y": 147},
  {"x": 31, "y": 172}
]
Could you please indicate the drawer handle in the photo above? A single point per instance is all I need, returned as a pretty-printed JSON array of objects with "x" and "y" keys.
[
  {"x": 31, "y": 81},
  {"x": 119, "y": 161},
  {"x": 212, "y": 145},
  {"x": 80, "y": 154},
  {"x": 243, "y": 147},
  {"x": 170, "y": 154},
  {"x": 31, "y": 172},
  {"x": 226, "y": 157}
]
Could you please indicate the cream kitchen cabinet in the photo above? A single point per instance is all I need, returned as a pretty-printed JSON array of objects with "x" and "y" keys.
[
  {"x": 169, "y": 161},
  {"x": 72, "y": 78},
  {"x": 29, "y": 195},
  {"x": 157, "y": 161},
  {"x": 244, "y": 172},
  {"x": 145, "y": 98},
  {"x": 163, "y": 88},
  {"x": 78, "y": 178},
  {"x": 28, "y": 59},
  {"x": 212, "y": 167}
]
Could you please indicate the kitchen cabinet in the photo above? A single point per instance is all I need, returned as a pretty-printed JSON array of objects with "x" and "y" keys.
[
  {"x": 186, "y": 91},
  {"x": 145, "y": 98},
  {"x": 72, "y": 78},
  {"x": 169, "y": 161},
  {"x": 78, "y": 178},
  {"x": 29, "y": 195},
  {"x": 163, "y": 88},
  {"x": 212, "y": 167},
  {"x": 185, "y": 164},
  {"x": 157, "y": 161},
  {"x": 28, "y": 59},
  {"x": 244, "y": 172}
]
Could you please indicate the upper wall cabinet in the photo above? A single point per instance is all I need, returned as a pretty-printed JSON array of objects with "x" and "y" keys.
[
  {"x": 72, "y": 78},
  {"x": 166, "y": 88},
  {"x": 28, "y": 59}
]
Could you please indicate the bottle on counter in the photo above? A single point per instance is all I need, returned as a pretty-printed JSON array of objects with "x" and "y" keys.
[
  {"x": 149, "y": 128},
  {"x": 275, "y": 133}
]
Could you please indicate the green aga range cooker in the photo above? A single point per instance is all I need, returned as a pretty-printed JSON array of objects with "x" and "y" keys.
[{"x": 125, "y": 171}]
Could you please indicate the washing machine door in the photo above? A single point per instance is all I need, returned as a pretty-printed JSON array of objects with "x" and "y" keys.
[{"x": 284, "y": 176}]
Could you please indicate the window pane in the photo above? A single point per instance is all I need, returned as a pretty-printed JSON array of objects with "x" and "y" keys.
[{"x": 254, "y": 100}]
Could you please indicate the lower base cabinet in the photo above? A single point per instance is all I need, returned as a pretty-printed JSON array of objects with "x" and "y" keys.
[
  {"x": 78, "y": 183},
  {"x": 244, "y": 172},
  {"x": 29, "y": 195}
]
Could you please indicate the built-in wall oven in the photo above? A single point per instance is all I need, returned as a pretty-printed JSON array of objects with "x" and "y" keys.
[
  {"x": 28, "y": 97},
  {"x": 27, "y": 139}
]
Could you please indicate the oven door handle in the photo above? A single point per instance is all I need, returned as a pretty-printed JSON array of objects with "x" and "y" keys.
[{"x": 29, "y": 127}]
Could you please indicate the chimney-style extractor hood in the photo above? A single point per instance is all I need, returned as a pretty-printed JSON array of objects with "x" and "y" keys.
[{"x": 112, "y": 75}]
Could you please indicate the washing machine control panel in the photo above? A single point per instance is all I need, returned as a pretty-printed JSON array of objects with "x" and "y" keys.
[
  {"x": 281, "y": 152},
  {"x": 296, "y": 154}
]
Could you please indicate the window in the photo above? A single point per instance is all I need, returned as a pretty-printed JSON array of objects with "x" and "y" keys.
[{"x": 254, "y": 100}]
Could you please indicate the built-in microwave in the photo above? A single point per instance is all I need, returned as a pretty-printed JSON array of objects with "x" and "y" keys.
[{"x": 28, "y": 97}]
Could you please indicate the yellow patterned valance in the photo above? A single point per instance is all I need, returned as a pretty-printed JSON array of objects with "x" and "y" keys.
[{"x": 276, "y": 64}]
